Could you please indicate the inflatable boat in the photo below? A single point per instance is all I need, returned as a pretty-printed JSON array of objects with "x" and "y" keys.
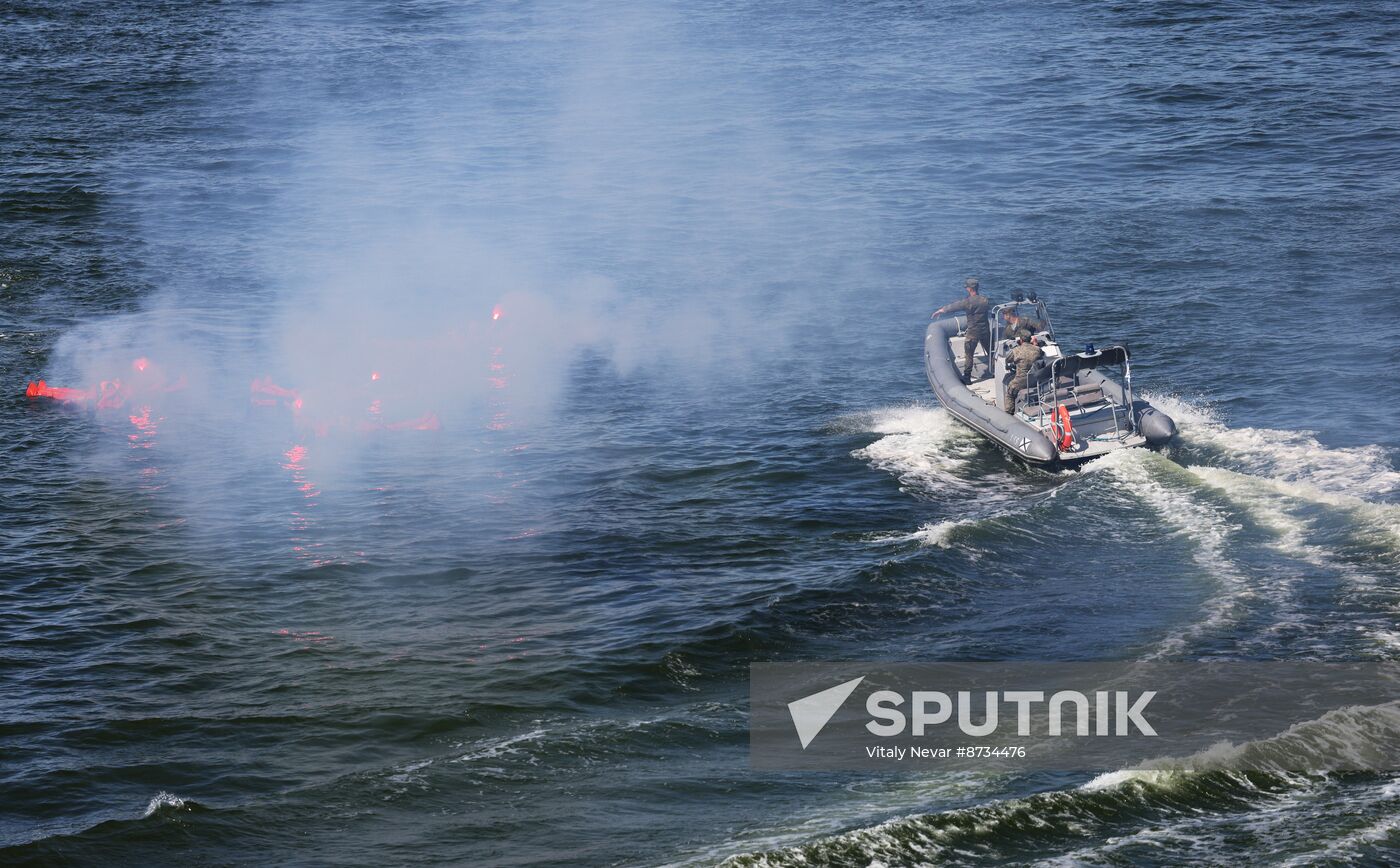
[{"x": 1075, "y": 406}]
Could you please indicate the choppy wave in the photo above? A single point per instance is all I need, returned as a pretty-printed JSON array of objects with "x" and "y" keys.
[
  {"x": 1167, "y": 802},
  {"x": 164, "y": 801},
  {"x": 938, "y": 533}
]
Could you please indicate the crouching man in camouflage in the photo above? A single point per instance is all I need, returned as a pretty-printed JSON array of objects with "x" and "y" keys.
[
  {"x": 1018, "y": 326},
  {"x": 1023, "y": 357}
]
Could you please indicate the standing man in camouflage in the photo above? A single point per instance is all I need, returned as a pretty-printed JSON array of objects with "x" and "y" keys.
[
  {"x": 1025, "y": 355},
  {"x": 975, "y": 306}
]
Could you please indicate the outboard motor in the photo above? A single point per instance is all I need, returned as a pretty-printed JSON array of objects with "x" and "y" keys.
[{"x": 1156, "y": 426}]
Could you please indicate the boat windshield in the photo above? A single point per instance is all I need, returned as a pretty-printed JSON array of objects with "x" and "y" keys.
[{"x": 1025, "y": 314}]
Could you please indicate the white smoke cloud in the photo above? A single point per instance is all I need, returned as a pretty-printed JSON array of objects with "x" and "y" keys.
[{"x": 443, "y": 218}]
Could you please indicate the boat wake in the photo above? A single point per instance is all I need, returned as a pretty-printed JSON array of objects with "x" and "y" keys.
[
  {"x": 1283, "y": 456},
  {"x": 937, "y": 458},
  {"x": 1208, "y": 530},
  {"x": 1317, "y": 510},
  {"x": 925, "y": 448}
]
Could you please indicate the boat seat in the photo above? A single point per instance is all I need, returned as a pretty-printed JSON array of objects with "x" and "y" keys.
[
  {"x": 1088, "y": 396},
  {"x": 1079, "y": 398}
]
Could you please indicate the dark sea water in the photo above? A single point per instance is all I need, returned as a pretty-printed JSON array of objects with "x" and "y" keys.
[{"x": 698, "y": 434}]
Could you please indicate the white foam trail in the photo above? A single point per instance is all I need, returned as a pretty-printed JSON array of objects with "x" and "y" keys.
[
  {"x": 1380, "y": 522},
  {"x": 1268, "y": 500},
  {"x": 928, "y": 450},
  {"x": 1273, "y": 503},
  {"x": 924, "y": 447},
  {"x": 1207, "y": 528},
  {"x": 1248, "y": 492},
  {"x": 1289, "y": 456}
]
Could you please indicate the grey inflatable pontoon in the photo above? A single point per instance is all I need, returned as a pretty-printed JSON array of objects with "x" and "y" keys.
[{"x": 1074, "y": 408}]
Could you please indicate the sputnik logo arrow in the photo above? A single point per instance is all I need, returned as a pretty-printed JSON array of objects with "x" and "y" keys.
[{"x": 811, "y": 713}]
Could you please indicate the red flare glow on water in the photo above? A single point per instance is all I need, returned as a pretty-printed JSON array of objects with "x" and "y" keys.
[
  {"x": 374, "y": 375},
  {"x": 145, "y": 427},
  {"x": 141, "y": 364},
  {"x": 496, "y": 313}
]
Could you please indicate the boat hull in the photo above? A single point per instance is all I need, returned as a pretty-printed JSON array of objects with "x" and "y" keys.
[{"x": 1021, "y": 439}]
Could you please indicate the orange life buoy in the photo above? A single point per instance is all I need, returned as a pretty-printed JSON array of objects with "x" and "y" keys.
[{"x": 1063, "y": 428}]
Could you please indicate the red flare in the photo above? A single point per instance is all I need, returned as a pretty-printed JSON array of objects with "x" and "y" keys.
[
  {"x": 265, "y": 393},
  {"x": 42, "y": 389},
  {"x": 496, "y": 313},
  {"x": 141, "y": 364},
  {"x": 374, "y": 375}
]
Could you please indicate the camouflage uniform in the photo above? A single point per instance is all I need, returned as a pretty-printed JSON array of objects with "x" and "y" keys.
[
  {"x": 1024, "y": 327},
  {"x": 1022, "y": 357},
  {"x": 975, "y": 306}
]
